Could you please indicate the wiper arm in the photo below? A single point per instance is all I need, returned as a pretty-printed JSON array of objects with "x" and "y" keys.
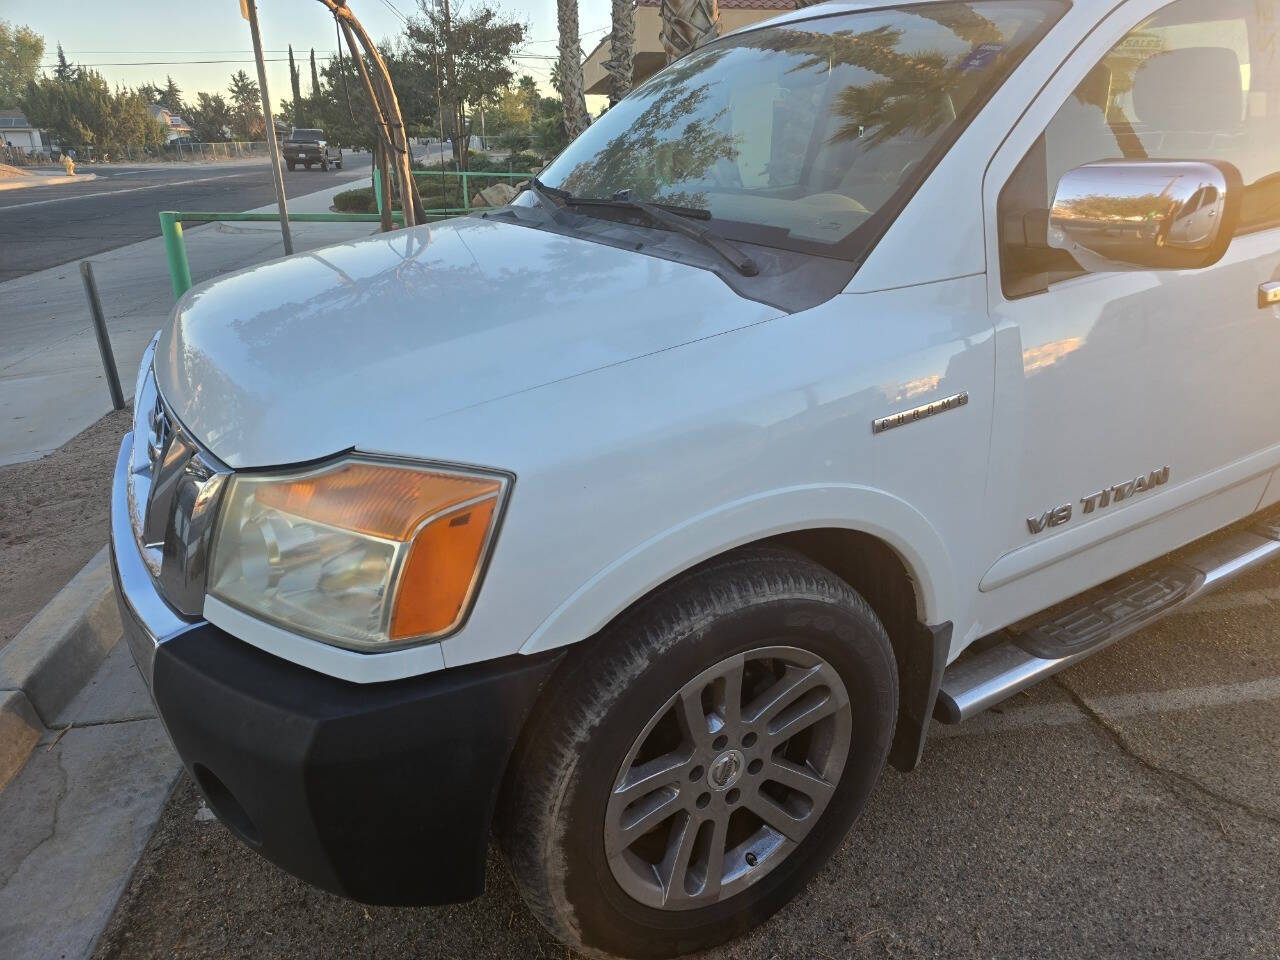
[
  {"x": 670, "y": 216},
  {"x": 704, "y": 235}
]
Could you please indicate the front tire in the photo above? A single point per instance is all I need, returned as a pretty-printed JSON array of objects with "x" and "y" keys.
[
  {"x": 291, "y": 165},
  {"x": 693, "y": 766}
]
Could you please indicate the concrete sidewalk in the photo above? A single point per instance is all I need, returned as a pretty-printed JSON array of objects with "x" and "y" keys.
[
  {"x": 51, "y": 379},
  {"x": 42, "y": 178},
  {"x": 79, "y": 814}
]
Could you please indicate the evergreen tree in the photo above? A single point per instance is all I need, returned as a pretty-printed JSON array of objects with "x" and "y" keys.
[
  {"x": 296, "y": 85},
  {"x": 315, "y": 78},
  {"x": 64, "y": 70},
  {"x": 171, "y": 96}
]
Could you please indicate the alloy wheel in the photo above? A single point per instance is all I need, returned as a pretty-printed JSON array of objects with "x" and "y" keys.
[{"x": 727, "y": 778}]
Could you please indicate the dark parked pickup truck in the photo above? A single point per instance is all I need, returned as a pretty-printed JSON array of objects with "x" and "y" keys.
[{"x": 307, "y": 146}]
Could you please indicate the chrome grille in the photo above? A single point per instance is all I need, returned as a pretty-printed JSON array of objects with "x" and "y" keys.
[{"x": 174, "y": 489}]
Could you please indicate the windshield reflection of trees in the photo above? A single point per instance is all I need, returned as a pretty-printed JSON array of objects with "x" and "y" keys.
[
  {"x": 919, "y": 91},
  {"x": 674, "y": 139},
  {"x": 678, "y": 139}
]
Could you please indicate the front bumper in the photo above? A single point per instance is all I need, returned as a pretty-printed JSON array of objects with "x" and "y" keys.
[{"x": 380, "y": 792}]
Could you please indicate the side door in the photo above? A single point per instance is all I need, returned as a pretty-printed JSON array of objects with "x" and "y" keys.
[{"x": 1135, "y": 408}]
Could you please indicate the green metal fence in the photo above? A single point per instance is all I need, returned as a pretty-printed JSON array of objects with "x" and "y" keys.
[
  {"x": 175, "y": 247},
  {"x": 463, "y": 178}
]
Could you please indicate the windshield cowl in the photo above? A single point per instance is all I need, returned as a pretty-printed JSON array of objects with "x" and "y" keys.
[{"x": 786, "y": 279}]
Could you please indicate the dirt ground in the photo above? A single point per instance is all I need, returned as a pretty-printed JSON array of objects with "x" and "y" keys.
[
  {"x": 1124, "y": 810},
  {"x": 53, "y": 519}
]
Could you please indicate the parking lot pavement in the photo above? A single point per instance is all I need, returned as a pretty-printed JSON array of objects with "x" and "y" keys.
[{"x": 1125, "y": 809}]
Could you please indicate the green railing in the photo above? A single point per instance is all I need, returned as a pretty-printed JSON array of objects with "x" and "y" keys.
[
  {"x": 175, "y": 247},
  {"x": 463, "y": 178}
]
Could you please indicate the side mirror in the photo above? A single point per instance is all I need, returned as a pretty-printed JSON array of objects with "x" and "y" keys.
[{"x": 1152, "y": 214}]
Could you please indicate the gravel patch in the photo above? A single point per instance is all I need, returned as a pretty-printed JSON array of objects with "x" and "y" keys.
[{"x": 53, "y": 518}]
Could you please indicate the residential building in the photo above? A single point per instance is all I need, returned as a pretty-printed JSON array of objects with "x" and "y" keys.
[
  {"x": 15, "y": 129},
  {"x": 649, "y": 56},
  {"x": 176, "y": 126}
]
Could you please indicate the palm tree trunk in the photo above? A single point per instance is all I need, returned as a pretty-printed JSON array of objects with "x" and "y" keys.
[
  {"x": 575, "y": 104},
  {"x": 622, "y": 42},
  {"x": 687, "y": 25}
]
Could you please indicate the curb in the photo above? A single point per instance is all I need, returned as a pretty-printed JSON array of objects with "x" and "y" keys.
[
  {"x": 41, "y": 180},
  {"x": 52, "y": 657}
]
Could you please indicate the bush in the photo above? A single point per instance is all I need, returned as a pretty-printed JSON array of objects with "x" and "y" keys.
[
  {"x": 523, "y": 162},
  {"x": 359, "y": 200}
]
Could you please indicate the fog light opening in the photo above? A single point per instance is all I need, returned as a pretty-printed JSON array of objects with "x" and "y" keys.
[{"x": 224, "y": 804}]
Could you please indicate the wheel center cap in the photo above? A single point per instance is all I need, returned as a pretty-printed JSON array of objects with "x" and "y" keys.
[{"x": 725, "y": 770}]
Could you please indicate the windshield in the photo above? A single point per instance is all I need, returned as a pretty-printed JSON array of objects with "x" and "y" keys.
[{"x": 798, "y": 135}]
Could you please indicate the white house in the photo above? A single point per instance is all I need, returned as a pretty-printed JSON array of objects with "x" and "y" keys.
[
  {"x": 15, "y": 129},
  {"x": 176, "y": 126}
]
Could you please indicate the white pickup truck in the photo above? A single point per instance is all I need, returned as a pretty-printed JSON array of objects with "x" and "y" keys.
[{"x": 865, "y": 366}]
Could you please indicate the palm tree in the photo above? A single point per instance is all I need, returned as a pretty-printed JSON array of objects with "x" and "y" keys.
[
  {"x": 622, "y": 42},
  {"x": 570, "y": 69},
  {"x": 687, "y": 25}
]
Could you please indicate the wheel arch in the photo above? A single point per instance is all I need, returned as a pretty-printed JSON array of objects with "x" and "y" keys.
[{"x": 893, "y": 557}]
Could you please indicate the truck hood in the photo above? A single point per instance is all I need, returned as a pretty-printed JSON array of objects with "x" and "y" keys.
[{"x": 358, "y": 345}]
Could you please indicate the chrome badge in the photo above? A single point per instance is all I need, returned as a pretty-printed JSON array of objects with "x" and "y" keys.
[
  {"x": 1104, "y": 498},
  {"x": 920, "y": 413}
]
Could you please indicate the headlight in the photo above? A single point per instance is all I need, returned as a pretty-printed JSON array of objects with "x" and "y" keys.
[{"x": 360, "y": 554}]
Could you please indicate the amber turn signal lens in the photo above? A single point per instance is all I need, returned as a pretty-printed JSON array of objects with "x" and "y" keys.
[{"x": 443, "y": 562}]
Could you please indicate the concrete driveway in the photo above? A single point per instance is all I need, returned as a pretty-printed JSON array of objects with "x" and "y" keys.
[{"x": 1129, "y": 808}]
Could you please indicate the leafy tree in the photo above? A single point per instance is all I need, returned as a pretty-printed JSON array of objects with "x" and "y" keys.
[
  {"x": 20, "y": 51},
  {"x": 549, "y": 136},
  {"x": 475, "y": 61},
  {"x": 246, "y": 107},
  {"x": 84, "y": 110},
  {"x": 211, "y": 117}
]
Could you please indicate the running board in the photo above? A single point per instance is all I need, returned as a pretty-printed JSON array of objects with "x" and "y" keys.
[{"x": 1096, "y": 619}]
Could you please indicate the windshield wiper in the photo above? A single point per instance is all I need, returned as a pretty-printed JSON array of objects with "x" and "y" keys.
[{"x": 670, "y": 216}]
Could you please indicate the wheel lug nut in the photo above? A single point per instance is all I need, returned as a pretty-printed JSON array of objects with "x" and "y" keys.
[{"x": 751, "y": 860}]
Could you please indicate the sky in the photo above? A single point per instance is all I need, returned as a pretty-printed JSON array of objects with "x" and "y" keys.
[{"x": 170, "y": 36}]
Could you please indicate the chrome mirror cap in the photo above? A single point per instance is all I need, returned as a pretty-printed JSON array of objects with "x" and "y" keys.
[{"x": 1152, "y": 214}]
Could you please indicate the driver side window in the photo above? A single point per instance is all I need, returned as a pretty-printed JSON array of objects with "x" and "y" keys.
[{"x": 1199, "y": 80}]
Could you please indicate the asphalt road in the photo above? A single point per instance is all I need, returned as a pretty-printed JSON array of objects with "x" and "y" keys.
[
  {"x": 1125, "y": 809},
  {"x": 44, "y": 226}
]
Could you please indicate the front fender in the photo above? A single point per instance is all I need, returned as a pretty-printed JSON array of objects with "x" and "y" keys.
[{"x": 847, "y": 506}]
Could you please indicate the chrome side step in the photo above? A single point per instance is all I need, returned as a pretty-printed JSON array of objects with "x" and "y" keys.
[{"x": 1097, "y": 619}]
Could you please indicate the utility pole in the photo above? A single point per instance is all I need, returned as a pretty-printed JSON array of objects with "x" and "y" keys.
[{"x": 250, "y": 10}]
